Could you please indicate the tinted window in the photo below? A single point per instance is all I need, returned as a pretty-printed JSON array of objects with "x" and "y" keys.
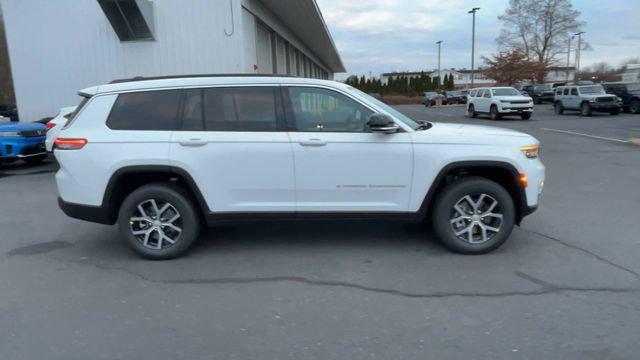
[
  {"x": 193, "y": 111},
  {"x": 240, "y": 109},
  {"x": 486, "y": 93},
  {"x": 148, "y": 110},
  {"x": 574, "y": 91},
  {"x": 566, "y": 91},
  {"x": 317, "y": 109}
]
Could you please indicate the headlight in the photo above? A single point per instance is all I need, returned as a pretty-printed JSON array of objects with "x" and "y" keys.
[
  {"x": 9, "y": 133},
  {"x": 531, "y": 152},
  {"x": 619, "y": 98}
]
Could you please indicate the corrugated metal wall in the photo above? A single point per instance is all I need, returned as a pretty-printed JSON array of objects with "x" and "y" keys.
[{"x": 58, "y": 47}]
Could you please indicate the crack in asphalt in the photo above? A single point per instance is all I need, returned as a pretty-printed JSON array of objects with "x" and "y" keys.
[
  {"x": 588, "y": 252},
  {"x": 546, "y": 289}
]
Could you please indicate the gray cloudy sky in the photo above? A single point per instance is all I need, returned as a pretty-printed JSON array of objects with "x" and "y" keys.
[{"x": 397, "y": 35}]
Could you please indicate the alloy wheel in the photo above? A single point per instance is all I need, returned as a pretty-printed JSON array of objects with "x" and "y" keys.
[
  {"x": 476, "y": 218},
  {"x": 155, "y": 224}
]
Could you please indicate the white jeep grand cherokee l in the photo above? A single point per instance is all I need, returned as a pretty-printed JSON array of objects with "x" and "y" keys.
[
  {"x": 499, "y": 101},
  {"x": 161, "y": 156}
]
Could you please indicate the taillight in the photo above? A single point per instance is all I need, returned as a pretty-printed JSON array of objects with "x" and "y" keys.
[
  {"x": 69, "y": 144},
  {"x": 50, "y": 125}
]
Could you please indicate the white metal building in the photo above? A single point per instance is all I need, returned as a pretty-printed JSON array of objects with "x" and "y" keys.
[{"x": 58, "y": 47}]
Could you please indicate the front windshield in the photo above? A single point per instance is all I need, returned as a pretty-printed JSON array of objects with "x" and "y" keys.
[
  {"x": 633, "y": 87},
  {"x": 505, "y": 92},
  {"x": 543, "y": 87},
  {"x": 594, "y": 89},
  {"x": 395, "y": 113}
]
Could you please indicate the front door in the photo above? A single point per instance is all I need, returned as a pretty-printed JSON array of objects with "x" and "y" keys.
[
  {"x": 234, "y": 143},
  {"x": 340, "y": 166}
]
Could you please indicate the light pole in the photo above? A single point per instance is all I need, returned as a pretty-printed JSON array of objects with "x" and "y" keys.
[
  {"x": 439, "y": 43},
  {"x": 569, "y": 57},
  {"x": 579, "y": 35},
  {"x": 473, "y": 40}
]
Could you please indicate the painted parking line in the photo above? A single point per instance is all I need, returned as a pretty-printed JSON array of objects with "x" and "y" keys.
[{"x": 586, "y": 135}]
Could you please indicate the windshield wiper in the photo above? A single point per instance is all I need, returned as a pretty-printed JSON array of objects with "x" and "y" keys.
[{"x": 424, "y": 125}]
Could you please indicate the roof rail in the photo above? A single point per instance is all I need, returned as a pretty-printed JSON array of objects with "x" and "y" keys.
[{"x": 143, "y": 78}]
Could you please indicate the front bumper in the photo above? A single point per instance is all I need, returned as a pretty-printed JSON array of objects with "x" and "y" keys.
[
  {"x": 14, "y": 148},
  {"x": 605, "y": 106},
  {"x": 515, "y": 109}
]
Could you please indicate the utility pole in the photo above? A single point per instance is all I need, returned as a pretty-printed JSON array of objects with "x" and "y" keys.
[
  {"x": 439, "y": 74},
  {"x": 569, "y": 57},
  {"x": 473, "y": 40},
  {"x": 579, "y": 35}
]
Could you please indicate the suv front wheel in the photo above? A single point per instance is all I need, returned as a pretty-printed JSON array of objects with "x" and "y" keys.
[
  {"x": 159, "y": 221},
  {"x": 473, "y": 215},
  {"x": 585, "y": 109}
]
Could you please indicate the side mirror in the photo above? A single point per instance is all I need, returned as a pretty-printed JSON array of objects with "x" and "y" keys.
[{"x": 381, "y": 123}]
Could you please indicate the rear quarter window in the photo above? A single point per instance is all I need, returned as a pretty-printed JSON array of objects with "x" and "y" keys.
[{"x": 146, "y": 110}]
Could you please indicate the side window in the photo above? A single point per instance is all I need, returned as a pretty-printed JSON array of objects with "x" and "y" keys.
[
  {"x": 566, "y": 91},
  {"x": 316, "y": 109},
  {"x": 473, "y": 93},
  {"x": 487, "y": 93},
  {"x": 574, "y": 91},
  {"x": 558, "y": 92},
  {"x": 192, "y": 110},
  {"x": 147, "y": 110},
  {"x": 240, "y": 109}
]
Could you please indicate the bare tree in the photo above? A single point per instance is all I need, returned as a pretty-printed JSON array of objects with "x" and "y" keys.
[{"x": 539, "y": 28}]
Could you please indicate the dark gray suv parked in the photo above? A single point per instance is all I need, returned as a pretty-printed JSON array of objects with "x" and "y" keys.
[{"x": 586, "y": 99}]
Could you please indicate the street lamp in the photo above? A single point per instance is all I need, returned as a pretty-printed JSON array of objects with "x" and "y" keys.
[
  {"x": 579, "y": 35},
  {"x": 439, "y": 74},
  {"x": 569, "y": 57},
  {"x": 473, "y": 40}
]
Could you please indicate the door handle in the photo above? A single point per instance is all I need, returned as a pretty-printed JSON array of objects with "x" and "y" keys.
[
  {"x": 193, "y": 142},
  {"x": 313, "y": 142}
]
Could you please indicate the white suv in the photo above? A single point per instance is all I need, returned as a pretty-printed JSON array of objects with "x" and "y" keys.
[
  {"x": 162, "y": 156},
  {"x": 499, "y": 101}
]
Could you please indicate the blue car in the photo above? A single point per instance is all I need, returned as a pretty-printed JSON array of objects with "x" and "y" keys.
[{"x": 22, "y": 141}]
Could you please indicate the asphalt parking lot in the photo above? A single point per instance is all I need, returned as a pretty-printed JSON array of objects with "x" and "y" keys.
[{"x": 565, "y": 286}]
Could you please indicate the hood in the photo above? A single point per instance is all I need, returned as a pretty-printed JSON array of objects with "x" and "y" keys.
[
  {"x": 595, "y": 96},
  {"x": 514, "y": 98},
  {"x": 21, "y": 126},
  {"x": 472, "y": 134}
]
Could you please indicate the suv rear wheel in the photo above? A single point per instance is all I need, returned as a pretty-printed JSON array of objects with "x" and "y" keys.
[
  {"x": 159, "y": 221},
  {"x": 473, "y": 215}
]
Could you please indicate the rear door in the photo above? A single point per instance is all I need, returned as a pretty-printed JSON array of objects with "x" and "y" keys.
[
  {"x": 340, "y": 165},
  {"x": 233, "y": 142}
]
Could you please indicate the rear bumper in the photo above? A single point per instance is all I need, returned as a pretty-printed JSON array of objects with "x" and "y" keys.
[{"x": 96, "y": 214}]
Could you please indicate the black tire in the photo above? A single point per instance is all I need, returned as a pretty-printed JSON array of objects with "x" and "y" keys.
[
  {"x": 634, "y": 106},
  {"x": 162, "y": 193},
  {"x": 443, "y": 212},
  {"x": 34, "y": 159},
  {"x": 558, "y": 108},
  {"x": 494, "y": 114},
  {"x": 525, "y": 116},
  {"x": 585, "y": 109},
  {"x": 471, "y": 112},
  {"x": 614, "y": 111}
]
